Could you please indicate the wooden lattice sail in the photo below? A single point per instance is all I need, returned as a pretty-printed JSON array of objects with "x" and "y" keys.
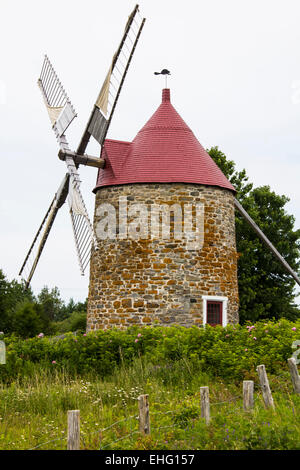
[{"x": 61, "y": 113}]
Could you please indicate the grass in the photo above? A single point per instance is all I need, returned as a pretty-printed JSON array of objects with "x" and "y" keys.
[{"x": 34, "y": 411}]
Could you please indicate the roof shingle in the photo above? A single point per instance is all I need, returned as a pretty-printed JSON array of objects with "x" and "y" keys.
[{"x": 165, "y": 150}]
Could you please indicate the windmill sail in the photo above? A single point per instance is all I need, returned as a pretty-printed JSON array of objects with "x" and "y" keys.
[
  {"x": 61, "y": 113},
  {"x": 104, "y": 107},
  {"x": 37, "y": 246},
  {"x": 83, "y": 230},
  {"x": 58, "y": 104}
]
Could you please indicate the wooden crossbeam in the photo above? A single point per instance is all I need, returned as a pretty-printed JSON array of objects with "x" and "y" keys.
[{"x": 87, "y": 160}]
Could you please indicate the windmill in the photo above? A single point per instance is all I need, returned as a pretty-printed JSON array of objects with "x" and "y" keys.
[
  {"x": 62, "y": 113},
  {"x": 135, "y": 286}
]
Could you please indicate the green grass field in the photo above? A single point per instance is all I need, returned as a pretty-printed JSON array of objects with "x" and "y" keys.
[{"x": 33, "y": 411}]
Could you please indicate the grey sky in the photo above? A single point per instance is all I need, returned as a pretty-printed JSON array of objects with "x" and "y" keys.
[{"x": 235, "y": 80}]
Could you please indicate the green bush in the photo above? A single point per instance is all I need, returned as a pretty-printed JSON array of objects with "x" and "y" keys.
[
  {"x": 75, "y": 322},
  {"x": 30, "y": 319},
  {"x": 231, "y": 352}
]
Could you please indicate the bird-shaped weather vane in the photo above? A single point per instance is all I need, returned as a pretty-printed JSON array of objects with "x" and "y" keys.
[{"x": 164, "y": 72}]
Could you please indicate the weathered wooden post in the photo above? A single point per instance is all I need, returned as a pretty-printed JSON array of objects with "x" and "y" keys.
[
  {"x": 248, "y": 400},
  {"x": 144, "y": 417},
  {"x": 73, "y": 430},
  {"x": 294, "y": 374},
  {"x": 264, "y": 383},
  {"x": 205, "y": 409}
]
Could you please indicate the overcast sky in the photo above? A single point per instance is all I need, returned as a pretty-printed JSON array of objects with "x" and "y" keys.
[{"x": 235, "y": 68}]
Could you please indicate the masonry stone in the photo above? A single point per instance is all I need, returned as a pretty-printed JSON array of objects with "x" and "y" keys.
[{"x": 146, "y": 280}]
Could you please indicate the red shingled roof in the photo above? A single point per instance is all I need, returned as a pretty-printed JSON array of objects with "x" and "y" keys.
[{"x": 165, "y": 150}]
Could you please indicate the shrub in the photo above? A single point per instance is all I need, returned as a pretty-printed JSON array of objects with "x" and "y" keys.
[
  {"x": 232, "y": 352},
  {"x": 30, "y": 319}
]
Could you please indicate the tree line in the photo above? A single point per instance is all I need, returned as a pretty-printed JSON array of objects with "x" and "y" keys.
[{"x": 23, "y": 313}]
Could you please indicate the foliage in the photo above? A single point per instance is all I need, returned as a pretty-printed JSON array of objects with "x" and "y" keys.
[
  {"x": 11, "y": 294},
  {"x": 231, "y": 352},
  {"x": 238, "y": 179},
  {"x": 74, "y": 322},
  {"x": 51, "y": 302},
  {"x": 266, "y": 290},
  {"x": 24, "y": 314},
  {"x": 33, "y": 410},
  {"x": 30, "y": 319}
]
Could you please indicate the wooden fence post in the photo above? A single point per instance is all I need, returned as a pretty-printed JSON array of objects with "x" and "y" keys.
[
  {"x": 294, "y": 374},
  {"x": 73, "y": 430},
  {"x": 204, "y": 397},
  {"x": 144, "y": 418},
  {"x": 264, "y": 383},
  {"x": 248, "y": 387}
]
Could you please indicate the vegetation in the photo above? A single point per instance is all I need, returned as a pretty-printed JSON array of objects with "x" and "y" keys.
[
  {"x": 266, "y": 290},
  {"x": 52, "y": 365},
  {"x": 26, "y": 316},
  {"x": 33, "y": 409},
  {"x": 232, "y": 352},
  {"x": 103, "y": 373}
]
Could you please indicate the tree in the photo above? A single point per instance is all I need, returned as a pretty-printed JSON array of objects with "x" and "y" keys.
[
  {"x": 266, "y": 290},
  {"x": 22, "y": 313},
  {"x": 71, "y": 307},
  {"x": 29, "y": 320},
  {"x": 51, "y": 302},
  {"x": 11, "y": 294}
]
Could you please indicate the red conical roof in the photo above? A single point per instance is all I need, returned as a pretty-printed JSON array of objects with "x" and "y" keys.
[{"x": 165, "y": 150}]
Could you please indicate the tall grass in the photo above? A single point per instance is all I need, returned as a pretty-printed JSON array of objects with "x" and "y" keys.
[{"x": 33, "y": 410}]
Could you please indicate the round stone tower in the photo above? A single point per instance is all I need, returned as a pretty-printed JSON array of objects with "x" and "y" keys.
[{"x": 165, "y": 223}]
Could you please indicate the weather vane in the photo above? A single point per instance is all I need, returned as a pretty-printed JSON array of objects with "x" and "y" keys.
[{"x": 164, "y": 72}]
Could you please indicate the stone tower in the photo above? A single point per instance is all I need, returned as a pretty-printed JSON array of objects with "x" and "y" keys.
[{"x": 164, "y": 219}]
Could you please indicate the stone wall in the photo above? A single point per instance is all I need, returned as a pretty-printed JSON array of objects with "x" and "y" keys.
[{"x": 146, "y": 281}]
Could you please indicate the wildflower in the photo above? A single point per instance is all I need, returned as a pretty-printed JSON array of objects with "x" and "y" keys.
[
  {"x": 41, "y": 335},
  {"x": 53, "y": 362},
  {"x": 254, "y": 337},
  {"x": 246, "y": 349},
  {"x": 139, "y": 335},
  {"x": 250, "y": 327},
  {"x": 84, "y": 334},
  {"x": 136, "y": 340},
  {"x": 294, "y": 328}
]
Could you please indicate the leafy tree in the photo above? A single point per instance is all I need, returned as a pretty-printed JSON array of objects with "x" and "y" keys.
[
  {"x": 30, "y": 319},
  {"x": 22, "y": 313},
  {"x": 11, "y": 294},
  {"x": 71, "y": 307},
  {"x": 51, "y": 302},
  {"x": 238, "y": 179},
  {"x": 78, "y": 321},
  {"x": 266, "y": 290}
]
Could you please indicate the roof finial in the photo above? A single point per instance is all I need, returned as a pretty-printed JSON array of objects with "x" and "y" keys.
[{"x": 164, "y": 72}]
